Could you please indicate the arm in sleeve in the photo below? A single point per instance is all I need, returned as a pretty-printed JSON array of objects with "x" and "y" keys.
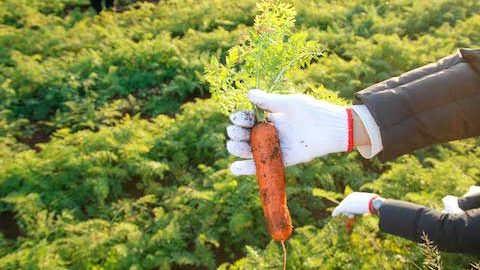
[
  {"x": 432, "y": 104},
  {"x": 450, "y": 232},
  {"x": 371, "y": 127},
  {"x": 469, "y": 202}
]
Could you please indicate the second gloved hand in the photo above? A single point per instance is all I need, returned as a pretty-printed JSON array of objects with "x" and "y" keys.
[
  {"x": 307, "y": 128},
  {"x": 356, "y": 203},
  {"x": 450, "y": 202}
]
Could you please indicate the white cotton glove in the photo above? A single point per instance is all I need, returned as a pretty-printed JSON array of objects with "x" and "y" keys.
[
  {"x": 307, "y": 128},
  {"x": 356, "y": 203},
  {"x": 450, "y": 202},
  {"x": 472, "y": 191}
]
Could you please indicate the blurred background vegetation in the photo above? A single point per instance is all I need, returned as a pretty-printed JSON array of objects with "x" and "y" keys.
[{"x": 112, "y": 156}]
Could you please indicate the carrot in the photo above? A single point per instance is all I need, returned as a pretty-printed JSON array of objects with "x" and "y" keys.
[
  {"x": 349, "y": 223},
  {"x": 271, "y": 179}
]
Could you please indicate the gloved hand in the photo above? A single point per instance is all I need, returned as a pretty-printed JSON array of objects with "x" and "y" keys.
[
  {"x": 472, "y": 191},
  {"x": 307, "y": 128},
  {"x": 356, "y": 203},
  {"x": 450, "y": 202}
]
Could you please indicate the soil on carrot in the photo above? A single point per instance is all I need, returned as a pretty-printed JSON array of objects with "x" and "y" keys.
[{"x": 265, "y": 197}]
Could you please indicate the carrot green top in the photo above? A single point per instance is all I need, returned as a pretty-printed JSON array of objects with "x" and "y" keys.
[{"x": 263, "y": 59}]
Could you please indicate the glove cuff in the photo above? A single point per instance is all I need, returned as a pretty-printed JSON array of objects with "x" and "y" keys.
[
  {"x": 350, "y": 130},
  {"x": 370, "y": 205}
]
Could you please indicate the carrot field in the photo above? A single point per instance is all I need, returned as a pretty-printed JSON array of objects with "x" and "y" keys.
[{"x": 112, "y": 150}]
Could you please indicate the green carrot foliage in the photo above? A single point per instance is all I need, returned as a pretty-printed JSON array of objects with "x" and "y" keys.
[{"x": 263, "y": 59}]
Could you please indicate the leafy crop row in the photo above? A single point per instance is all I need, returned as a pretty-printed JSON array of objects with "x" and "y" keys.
[{"x": 108, "y": 160}]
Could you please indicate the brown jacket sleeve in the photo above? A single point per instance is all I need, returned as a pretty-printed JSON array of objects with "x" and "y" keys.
[{"x": 435, "y": 103}]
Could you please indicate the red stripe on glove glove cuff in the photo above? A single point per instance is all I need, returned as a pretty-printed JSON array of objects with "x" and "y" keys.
[
  {"x": 370, "y": 205},
  {"x": 350, "y": 129}
]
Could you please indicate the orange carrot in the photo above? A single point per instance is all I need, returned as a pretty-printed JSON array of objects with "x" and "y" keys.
[
  {"x": 271, "y": 179},
  {"x": 349, "y": 223}
]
